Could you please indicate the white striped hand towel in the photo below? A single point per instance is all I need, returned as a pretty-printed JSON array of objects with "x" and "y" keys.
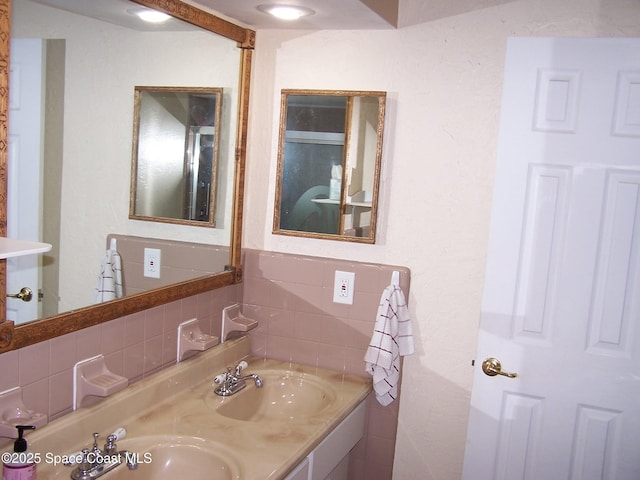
[
  {"x": 392, "y": 337},
  {"x": 109, "y": 283}
]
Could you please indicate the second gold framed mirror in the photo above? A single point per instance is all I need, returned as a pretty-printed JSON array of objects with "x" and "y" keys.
[{"x": 329, "y": 159}]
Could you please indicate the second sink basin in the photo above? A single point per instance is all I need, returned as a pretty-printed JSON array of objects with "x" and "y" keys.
[
  {"x": 285, "y": 396},
  {"x": 173, "y": 457}
]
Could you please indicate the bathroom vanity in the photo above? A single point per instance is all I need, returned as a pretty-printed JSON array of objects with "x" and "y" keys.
[{"x": 301, "y": 424}]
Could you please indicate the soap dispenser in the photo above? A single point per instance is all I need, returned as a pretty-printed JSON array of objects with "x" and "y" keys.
[{"x": 22, "y": 465}]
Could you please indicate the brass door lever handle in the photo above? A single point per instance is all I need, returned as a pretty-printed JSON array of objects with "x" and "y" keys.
[
  {"x": 492, "y": 367},
  {"x": 25, "y": 294}
]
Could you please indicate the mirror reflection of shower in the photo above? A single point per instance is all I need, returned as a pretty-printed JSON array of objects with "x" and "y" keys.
[{"x": 199, "y": 166}]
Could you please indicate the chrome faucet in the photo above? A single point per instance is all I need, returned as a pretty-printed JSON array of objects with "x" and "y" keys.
[
  {"x": 232, "y": 382},
  {"x": 94, "y": 462}
]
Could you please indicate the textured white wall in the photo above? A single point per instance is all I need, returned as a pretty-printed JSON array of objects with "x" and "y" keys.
[{"x": 444, "y": 80}]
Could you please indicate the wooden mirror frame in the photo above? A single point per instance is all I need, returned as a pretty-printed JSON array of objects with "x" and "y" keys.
[{"x": 12, "y": 337}]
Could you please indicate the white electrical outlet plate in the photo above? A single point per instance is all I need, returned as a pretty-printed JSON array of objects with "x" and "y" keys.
[
  {"x": 343, "y": 286},
  {"x": 152, "y": 262}
]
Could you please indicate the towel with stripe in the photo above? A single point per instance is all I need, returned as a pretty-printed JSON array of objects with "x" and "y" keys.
[
  {"x": 109, "y": 282},
  {"x": 392, "y": 337}
]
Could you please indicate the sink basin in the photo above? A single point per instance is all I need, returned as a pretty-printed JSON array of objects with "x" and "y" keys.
[
  {"x": 285, "y": 396},
  {"x": 172, "y": 457}
]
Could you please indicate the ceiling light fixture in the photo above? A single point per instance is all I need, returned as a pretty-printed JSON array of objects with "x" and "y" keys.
[
  {"x": 151, "y": 16},
  {"x": 285, "y": 12}
]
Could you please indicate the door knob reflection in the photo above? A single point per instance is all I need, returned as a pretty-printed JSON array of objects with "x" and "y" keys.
[{"x": 25, "y": 294}]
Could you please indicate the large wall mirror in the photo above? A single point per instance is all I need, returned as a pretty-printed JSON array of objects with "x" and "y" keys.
[
  {"x": 92, "y": 67},
  {"x": 329, "y": 154}
]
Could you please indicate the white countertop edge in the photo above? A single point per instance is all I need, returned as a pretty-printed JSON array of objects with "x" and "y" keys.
[{"x": 10, "y": 247}]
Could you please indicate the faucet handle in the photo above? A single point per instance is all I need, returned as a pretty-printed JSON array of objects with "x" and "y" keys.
[
  {"x": 220, "y": 378},
  {"x": 241, "y": 366},
  {"x": 119, "y": 433},
  {"x": 85, "y": 464}
]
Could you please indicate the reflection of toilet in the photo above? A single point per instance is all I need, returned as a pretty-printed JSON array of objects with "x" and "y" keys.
[{"x": 308, "y": 216}]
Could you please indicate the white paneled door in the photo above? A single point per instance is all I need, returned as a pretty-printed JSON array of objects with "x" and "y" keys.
[
  {"x": 561, "y": 306},
  {"x": 24, "y": 208}
]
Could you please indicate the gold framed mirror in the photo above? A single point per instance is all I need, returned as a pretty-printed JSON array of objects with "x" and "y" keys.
[
  {"x": 174, "y": 165},
  {"x": 329, "y": 158},
  {"x": 14, "y": 337}
]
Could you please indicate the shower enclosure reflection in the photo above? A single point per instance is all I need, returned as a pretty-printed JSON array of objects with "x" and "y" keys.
[
  {"x": 329, "y": 164},
  {"x": 175, "y": 151}
]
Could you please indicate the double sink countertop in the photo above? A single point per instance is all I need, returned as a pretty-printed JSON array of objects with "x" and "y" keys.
[{"x": 256, "y": 434}]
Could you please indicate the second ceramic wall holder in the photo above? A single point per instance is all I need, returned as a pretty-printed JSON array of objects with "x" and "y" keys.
[
  {"x": 234, "y": 322},
  {"x": 191, "y": 338},
  {"x": 92, "y": 377},
  {"x": 13, "y": 412}
]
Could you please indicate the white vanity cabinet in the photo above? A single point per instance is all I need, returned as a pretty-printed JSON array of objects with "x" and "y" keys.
[
  {"x": 328, "y": 461},
  {"x": 301, "y": 472}
]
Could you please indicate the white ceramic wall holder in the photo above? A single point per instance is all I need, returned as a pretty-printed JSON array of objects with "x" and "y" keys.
[
  {"x": 92, "y": 377},
  {"x": 191, "y": 338},
  {"x": 234, "y": 321},
  {"x": 13, "y": 412}
]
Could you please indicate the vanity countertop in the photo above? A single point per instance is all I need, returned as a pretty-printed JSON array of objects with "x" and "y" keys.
[{"x": 179, "y": 402}]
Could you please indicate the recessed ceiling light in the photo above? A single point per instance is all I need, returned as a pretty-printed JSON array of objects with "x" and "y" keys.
[
  {"x": 285, "y": 12},
  {"x": 151, "y": 16}
]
